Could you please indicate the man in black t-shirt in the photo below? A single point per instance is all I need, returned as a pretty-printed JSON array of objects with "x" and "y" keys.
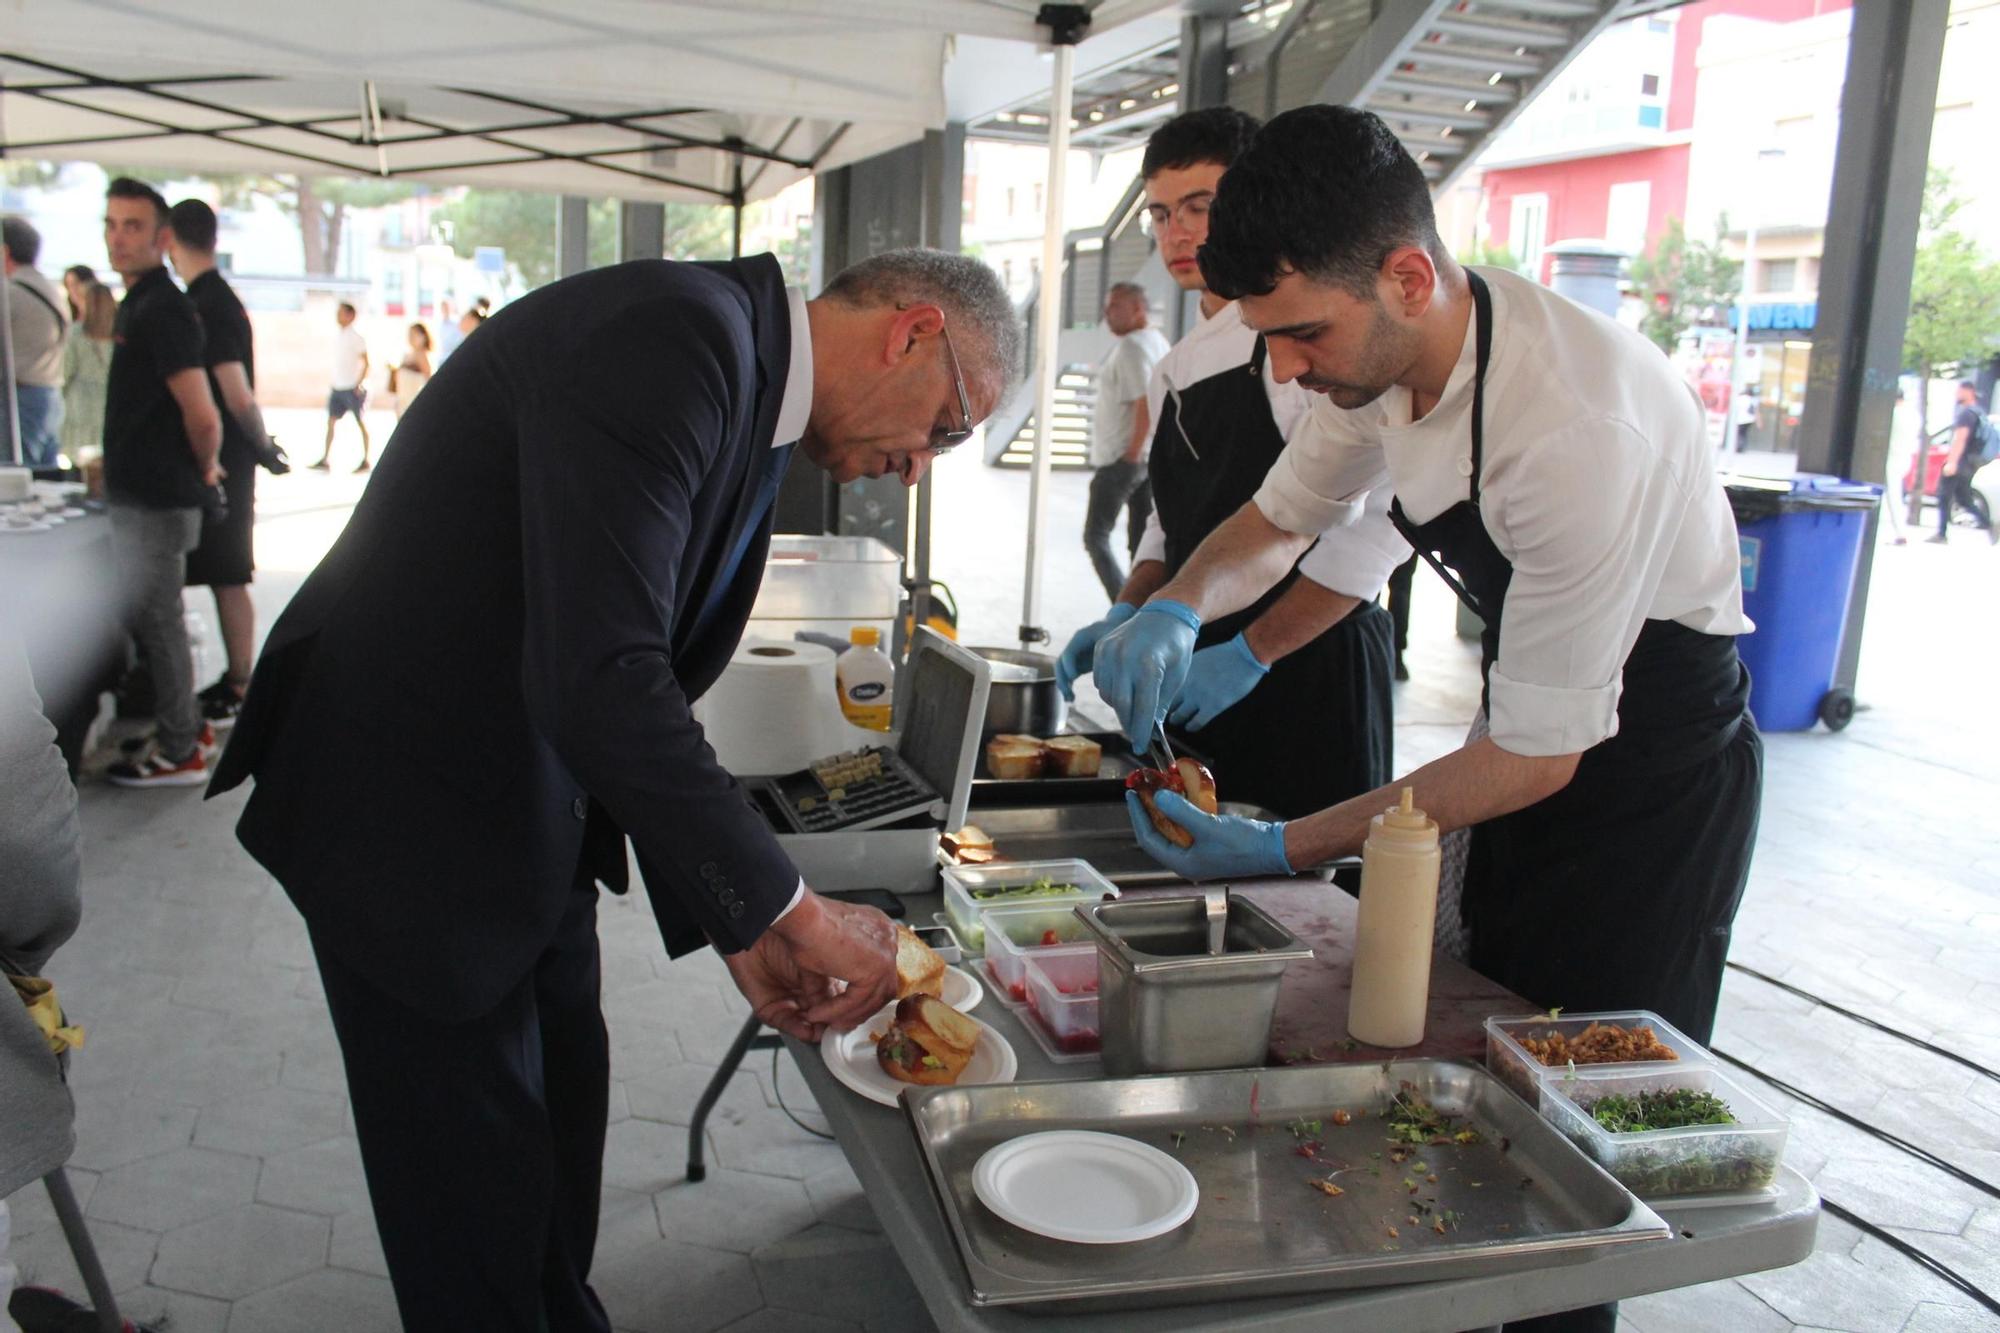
[
  {"x": 1970, "y": 437},
  {"x": 161, "y": 439},
  {"x": 223, "y": 561}
]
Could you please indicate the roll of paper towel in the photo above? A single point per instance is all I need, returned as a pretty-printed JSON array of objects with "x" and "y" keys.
[{"x": 775, "y": 709}]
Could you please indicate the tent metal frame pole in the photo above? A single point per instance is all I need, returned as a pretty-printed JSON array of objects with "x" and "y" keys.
[
  {"x": 736, "y": 201},
  {"x": 1067, "y": 25}
]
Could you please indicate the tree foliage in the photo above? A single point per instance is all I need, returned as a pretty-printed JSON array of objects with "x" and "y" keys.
[
  {"x": 1685, "y": 282},
  {"x": 1954, "y": 291},
  {"x": 1488, "y": 255}
]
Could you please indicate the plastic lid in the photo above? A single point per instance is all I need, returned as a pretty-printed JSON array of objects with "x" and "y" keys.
[
  {"x": 864, "y": 636},
  {"x": 1405, "y": 825}
]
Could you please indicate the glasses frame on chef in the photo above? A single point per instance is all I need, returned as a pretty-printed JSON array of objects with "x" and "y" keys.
[{"x": 1153, "y": 218}]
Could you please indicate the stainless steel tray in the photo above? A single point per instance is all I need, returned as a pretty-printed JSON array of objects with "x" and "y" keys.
[
  {"x": 1099, "y": 832},
  {"x": 1521, "y": 1198}
]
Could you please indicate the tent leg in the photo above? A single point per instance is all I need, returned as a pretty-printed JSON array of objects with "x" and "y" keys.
[{"x": 1048, "y": 330}]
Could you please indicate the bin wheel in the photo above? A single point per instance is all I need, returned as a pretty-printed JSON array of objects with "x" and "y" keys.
[{"x": 1836, "y": 708}]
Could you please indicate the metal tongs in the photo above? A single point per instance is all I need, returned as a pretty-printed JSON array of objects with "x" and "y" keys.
[{"x": 1159, "y": 753}]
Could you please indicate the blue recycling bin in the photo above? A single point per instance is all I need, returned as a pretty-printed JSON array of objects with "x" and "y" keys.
[{"x": 1800, "y": 544}]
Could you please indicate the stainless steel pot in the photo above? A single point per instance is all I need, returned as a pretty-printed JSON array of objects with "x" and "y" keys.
[{"x": 1024, "y": 697}]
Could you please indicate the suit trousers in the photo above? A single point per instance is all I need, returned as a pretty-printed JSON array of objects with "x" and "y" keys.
[{"x": 483, "y": 1141}]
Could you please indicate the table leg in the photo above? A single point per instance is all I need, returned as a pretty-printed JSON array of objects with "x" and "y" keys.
[
  {"x": 710, "y": 1095},
  {"x": 83, "y": 1251}
]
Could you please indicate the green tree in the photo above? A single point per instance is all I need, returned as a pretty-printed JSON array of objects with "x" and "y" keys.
[
  {"x": 699, "y": 231},
  {"x": 1954, "y": 294},
  {"x": 1685, "y": 282},
  {"x": 1488, "y": 255},
  {"x": 320, "y": 204},
  {"x": 523, "y": 224},
  {"x": 29, "y": 174}
]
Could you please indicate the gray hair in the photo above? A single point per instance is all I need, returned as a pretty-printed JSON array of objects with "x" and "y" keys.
[
  {"x": 966, "y": 290},
  {"x": 1136, "y": 291},
  {"x": 23, "y": 242}
]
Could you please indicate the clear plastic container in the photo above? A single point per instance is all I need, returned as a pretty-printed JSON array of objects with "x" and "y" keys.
[
  {"x": 1510, "y": 1061},
  {"x": 1019, "y": 931},
  {"x": 991, "y": 882},
  {"x": 854, "y": 580},
  {"x": 1670, "y": 1163},
  {"x": 1062, "y": 1002}
]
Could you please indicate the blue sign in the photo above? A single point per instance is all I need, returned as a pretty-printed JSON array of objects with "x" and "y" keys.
[
  {"x": 1780, "y": 317},
  {"x": 1749, "y": 551},
  {"x": 489, "y": 259}
]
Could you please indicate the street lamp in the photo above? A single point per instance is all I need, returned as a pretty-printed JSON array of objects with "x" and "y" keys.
[{"x": 1752, "y": 196}]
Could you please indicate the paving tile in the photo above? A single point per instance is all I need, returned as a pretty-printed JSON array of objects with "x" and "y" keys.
[
  {"x": 645, "y": 1156},
  {"x": 628, "y": 1224},
  {"x": 244, "y": 1250},
  {"x": 1831, "y": 1289},
  {"x": 640, "y": 1049},
  {"x": 271, "y": 1120},
  {"x": 314, "y": 1066},
  {"x": 29, "y": 1209},
  {"x": 111, "y": 1132},
  {"x": 169, "y": 1190},
  {"x": 674, "y": 1288},
  {"x": 837, "y": 1198},
  {"x": 907, "y": 1316},
  {"x": 213, "y": 1075},
  {"x": 166, "y": 1311},
  {"x": 1936, "y": 1317},
  {"x": 760, "y": 1210},
  {"x": 125, "y": 1252},
  {"x": 671, "y": 1092},
  {"x": 321, "y": 1302},
  {"x": 766, "y": 1142},
  {"x": 1712, "y": 1305},
  {"x": 324, "y": 1178},
  {"x": 791, "y": 1321},
  {"x": 833, "y": 1271},
  {"x": 355, "y": 1245}
]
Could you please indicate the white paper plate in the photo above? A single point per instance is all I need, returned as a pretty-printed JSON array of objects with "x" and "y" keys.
[
  {"x": 850, "y": 1058},
  {"x": 1094, "y": 1189},
  {"x": 962, "y": 990}
]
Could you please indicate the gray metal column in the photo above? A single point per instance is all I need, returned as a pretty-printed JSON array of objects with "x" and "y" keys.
[
  {"x": 572, "y": 235},
  {"x": 642, "y": 231},
  {"x": 1886, "y": 107},
  {"x": 1204, "y": 80}
]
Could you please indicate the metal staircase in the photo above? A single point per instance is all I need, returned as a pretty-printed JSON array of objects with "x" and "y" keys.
[
  {"x": 1449, "y": 75},
  {"x": 1069, "y": 441}
]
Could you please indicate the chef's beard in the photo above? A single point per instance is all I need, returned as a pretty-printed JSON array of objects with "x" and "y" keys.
[{"x": 1387, "y": 353}]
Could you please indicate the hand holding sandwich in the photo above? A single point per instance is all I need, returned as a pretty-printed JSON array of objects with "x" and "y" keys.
[{"x": 788, "y": 974}]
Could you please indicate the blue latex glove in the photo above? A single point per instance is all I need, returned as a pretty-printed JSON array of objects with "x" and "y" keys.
[
  {"x": 1225, "y": 846},
  {"x": 1077, "y": 654},
  {"x": 1141, "y": 664},
  {"x": 1217, "y": 680}
]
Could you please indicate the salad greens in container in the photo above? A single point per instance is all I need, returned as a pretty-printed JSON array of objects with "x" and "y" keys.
[{"x": 1670, "y": 1132}]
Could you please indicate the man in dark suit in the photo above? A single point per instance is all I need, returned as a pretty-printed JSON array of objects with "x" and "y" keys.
[{"x": 484, "y": 690}]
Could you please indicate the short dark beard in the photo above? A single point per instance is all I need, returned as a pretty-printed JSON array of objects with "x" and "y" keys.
[{"x": 1388, "y": 354}]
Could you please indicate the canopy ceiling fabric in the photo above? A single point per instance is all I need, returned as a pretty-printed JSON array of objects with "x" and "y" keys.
[{"x": 630, "y": 98}]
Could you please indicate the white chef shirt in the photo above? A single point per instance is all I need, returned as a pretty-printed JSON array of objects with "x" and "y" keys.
[
  {"x": 1355, "y": 559},
  {"x": 1598, "y": 487}
]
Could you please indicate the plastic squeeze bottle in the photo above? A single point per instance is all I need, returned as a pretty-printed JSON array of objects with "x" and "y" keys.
[
  {"x": 1392, "y": 942},
  {"x": 867, "y": 680}
]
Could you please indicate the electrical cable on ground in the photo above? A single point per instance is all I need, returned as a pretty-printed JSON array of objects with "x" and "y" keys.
[
  {"x": 779, "y": 1093},
  {"x": 1909, "y": 1251},
  {"x": 1866, "y": 1021}
]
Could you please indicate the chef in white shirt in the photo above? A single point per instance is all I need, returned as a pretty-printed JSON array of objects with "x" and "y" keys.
[{"x": 1555, "y": 469}]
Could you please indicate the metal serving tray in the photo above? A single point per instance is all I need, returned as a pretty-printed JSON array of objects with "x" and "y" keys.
[
  {"x": 1098, "y": 832},
  {"x": 1118, "y": 763},
  {"x": 1522, "y": 1198}
]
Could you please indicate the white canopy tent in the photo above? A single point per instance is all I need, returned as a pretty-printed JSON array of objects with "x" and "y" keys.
[{"x": 711, "y": 100}]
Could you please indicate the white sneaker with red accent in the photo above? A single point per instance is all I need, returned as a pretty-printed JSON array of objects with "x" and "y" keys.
[{"x": 153, "y": 769}]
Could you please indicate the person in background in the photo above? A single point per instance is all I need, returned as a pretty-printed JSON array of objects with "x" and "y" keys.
[
  {"x": 1120, "y": 432},
  {"x": 162, "y": 441},
  {"x": 473, "y": 318},
  {"x": 224, "y": 560},
  {"x": 1973, "y": 445},
  {"x": 77, "y": 280},
  {"x": 40, "y": 329},
  {"x": 449, "y": 336},
  {"x": 407, "y": 379},
  {"x": 349, "y": 392},
  {"x": 40, "y": 904},
  {"x": 86, "y": 372}
]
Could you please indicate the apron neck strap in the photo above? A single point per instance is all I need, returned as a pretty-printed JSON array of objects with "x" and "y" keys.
[{"x": 1482, "y": 339}]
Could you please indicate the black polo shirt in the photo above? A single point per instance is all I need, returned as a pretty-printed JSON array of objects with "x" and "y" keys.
[
  {"x": 225, "y": 333},
  {"x": 147, "y": 458}
]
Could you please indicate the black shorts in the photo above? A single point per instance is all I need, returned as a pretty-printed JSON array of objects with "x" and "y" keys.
[
  {"x": 340, "y": 402},
  {"x": 223, "y": 557}
]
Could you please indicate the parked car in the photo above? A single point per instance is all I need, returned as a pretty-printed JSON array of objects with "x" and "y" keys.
[{"x": 1985, "y": 485}]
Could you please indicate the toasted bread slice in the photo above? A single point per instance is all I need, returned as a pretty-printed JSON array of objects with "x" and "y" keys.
[
  {"x": 919, "y": 971},
  {"x": 971, "y": 838},
  {"x": 937, "y": 1024},
  {"x": 1012, "y": 758},
  {"x": 1071, "y": 756}
]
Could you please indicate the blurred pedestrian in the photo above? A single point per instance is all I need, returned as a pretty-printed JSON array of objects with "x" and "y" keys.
[
  {"x": 40, "y": 328},
  {"x": 1974, "y": 443},
  {"x": 350, "y": 386},
  {"x": 449, "y": 336},
  {"x": 408, "y": 378},
  {"x": 77, "y": 280},
  {"x": 1120, "y": 431},
  {"x": 86, "y": 373}
]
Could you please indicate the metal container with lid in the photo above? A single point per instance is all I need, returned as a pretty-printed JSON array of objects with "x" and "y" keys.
[
  {"x": 1025, "y": 698},
  {"x": 1166, "y": 1004}
]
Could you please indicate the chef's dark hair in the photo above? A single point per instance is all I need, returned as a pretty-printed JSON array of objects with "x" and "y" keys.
[
  {"x": 194, "y": 225},
  {"x": 1217, "y": 134},
  {"x": 1327, "y": 191}
]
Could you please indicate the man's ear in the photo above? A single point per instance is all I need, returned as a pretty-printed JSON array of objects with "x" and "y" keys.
[
  {"x": 1410, "y": 274},
  {"x": 911, "y": 324}
]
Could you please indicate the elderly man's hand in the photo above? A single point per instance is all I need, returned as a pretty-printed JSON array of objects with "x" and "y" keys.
[{"x": 789, "y": 975}]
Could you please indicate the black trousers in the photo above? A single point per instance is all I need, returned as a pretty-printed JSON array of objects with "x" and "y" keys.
[
  {"x": 483, "y": 1141},
  {"x": 1957, "y": 490},
  {"x": 1399, "y": 603},
  {"x": 1118, "y": 485}
]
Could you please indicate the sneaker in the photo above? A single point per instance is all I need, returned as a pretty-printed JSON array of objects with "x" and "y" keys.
[
  {"x": 220, "y": 703},
  {"x": 153, "y": 769},
  {"x": 206, "y": 745},
  {"x": 1937, "y": 539},
  {"x": 321, "y": 466}
]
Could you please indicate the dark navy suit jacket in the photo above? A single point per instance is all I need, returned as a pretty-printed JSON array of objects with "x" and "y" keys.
[{"x": 485, "y": 686}]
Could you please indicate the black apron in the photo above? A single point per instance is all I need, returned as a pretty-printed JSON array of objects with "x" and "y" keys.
[
  {"x": 1319, "y": 728},
  {"x": 1617, "y": 892}
]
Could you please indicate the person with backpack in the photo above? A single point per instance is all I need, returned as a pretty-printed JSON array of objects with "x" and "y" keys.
[{"x": 1973, "y": 445}]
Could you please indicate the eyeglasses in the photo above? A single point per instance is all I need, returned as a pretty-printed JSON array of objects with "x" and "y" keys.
[
  {"x": 944, "y": 439},
  {"x": 1184, "y": 214}
]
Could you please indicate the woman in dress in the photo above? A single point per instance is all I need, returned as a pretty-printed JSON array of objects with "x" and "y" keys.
[
  {"x": 86, "y": 372},
  {"x": 414, "y": 371}
]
